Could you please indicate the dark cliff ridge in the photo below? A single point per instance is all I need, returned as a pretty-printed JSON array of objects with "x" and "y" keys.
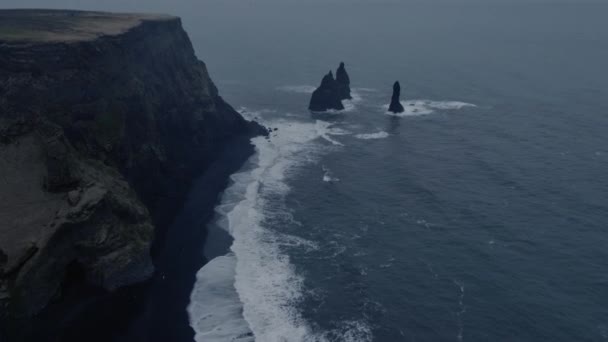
[
  {"x": 395, "y": 105},
  {"x": 326, "y": 96},
  {"x": 343, "y": 82},
  {"x": 105, "y": 120}
]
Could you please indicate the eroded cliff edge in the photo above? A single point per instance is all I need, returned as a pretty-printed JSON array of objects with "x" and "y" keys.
[{"x": 105, "y": 120}]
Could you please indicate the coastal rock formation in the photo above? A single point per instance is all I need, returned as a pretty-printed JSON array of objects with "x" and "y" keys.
[
  {"x": 395, "y": 105},
  {"x": 343, "y": 82},
  {"x": 105, "y": 119},
  {"x": 327, "y": 96}
]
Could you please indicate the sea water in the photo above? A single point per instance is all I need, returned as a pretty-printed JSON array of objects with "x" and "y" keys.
[{"x": 478, "y": 214}]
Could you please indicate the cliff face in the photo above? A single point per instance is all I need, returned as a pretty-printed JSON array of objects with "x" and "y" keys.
[{"x": 104, "y": 119}]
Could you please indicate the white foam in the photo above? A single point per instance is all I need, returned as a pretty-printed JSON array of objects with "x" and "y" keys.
[
  {"x": 324, "y": 131},
  {"x": 425, "y": 107},
  {"x": 251, "y": 114},
  {"x": 356, "y": 96},
  {"x": 463, "y": 309},
  {"x": 351, "y": 105},
  {"x": 350, "y": 331},
  {"x": 327, "y": 176},
  {"x": 377, "y": 135},
  {"x": 300, "y": 89},
  {"x": 267, "y": 284},
  {"x": 215, "y": 310},
  {"x": 366, "y": 90},
  {"x": 449, "y": 105},
  {"x": 329, "y": 179}
]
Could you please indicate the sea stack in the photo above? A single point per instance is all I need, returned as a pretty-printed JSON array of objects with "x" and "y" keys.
[
  {"x": 343, "y": 82},
  {"x": 327, "y": 96},
  {"x": 395, "y": 105}
]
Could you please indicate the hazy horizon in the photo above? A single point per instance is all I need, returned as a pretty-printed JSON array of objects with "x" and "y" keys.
[{"x": 179, "y": 5}]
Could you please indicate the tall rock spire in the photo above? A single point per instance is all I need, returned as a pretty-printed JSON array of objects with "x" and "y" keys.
[
  {"x": 395, "y": 105},
  {"x": 327, "y": 96},
  {"x": 343, "y": 82}
]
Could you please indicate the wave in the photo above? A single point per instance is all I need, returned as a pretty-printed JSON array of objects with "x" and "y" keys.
[
  {"x": 351, "y": 105},
  {"x": 377, "y": 135},
  {"x": 268, "y": 287},
  {"x": 425, "y": 107},
  {"x": 322, "y": 128},
  {"x": 328, "y": 177},
  {"x": 251, "y": 114},
  {"x": 215, "y": 310},
  {"x": 366, "y": 90},
  {"x": 300, "y": 89},
  {"x": 449, "y": 104},
  {"x": 350, "y": 331}
]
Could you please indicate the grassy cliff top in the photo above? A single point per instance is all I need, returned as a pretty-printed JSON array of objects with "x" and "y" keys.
[{"x": 67, "y": 26}]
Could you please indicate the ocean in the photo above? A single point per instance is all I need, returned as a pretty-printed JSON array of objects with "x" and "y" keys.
[{"x": 479, "y": 214}]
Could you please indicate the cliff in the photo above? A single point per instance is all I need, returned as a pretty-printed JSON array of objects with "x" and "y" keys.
[{"x": 105, "y": 120}]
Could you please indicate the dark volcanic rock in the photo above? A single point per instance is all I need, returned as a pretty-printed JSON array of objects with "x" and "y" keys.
[
  {"x": 327, "y": 96},
  {"x": 395, "y": 105},
  {"x": 105, "y": 120},
  {"x": 343, "y": 82}
]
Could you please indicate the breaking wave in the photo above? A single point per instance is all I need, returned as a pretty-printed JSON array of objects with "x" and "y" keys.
[
  {"x": 215, "y": 310},
  {"x": 300, "y": 89},
  {"x": 377, "y": 135},
  {"x": 267, "y": 287},
  {"x": 328, "y": 176},
  {"x": 350, "y": 105},
  {"x": 424, "y": 107}
]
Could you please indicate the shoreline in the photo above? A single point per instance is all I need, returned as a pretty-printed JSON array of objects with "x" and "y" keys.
[{"x": 155, "y": 310}]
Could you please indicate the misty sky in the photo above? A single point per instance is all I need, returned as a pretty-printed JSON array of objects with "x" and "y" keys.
[
  {"x": 229, "y": 34},
  {"x": 184, "y": 6}
]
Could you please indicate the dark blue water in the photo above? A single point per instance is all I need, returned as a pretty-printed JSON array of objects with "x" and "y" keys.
[{"x": 479, "y": 216}]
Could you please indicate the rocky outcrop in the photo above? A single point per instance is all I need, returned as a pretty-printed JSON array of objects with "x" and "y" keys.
[
  {"x": 327, "y": 96},
  {"x": 331, "y": 92},
  {"x": 343, "y": 82},
  {"x": 395, "y": 106},
  {"x": 105, "y": 119}
]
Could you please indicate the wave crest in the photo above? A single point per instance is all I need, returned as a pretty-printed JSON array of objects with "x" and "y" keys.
[
  {"x": 377, "y": 135},
  {"x": 425, "y": 107},
  {"x": 269, "y": 288}
]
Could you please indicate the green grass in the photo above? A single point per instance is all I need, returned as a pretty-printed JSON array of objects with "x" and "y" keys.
[
  {"x": 39, "y": 28},
  {"x": 10, "y": 33}
]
